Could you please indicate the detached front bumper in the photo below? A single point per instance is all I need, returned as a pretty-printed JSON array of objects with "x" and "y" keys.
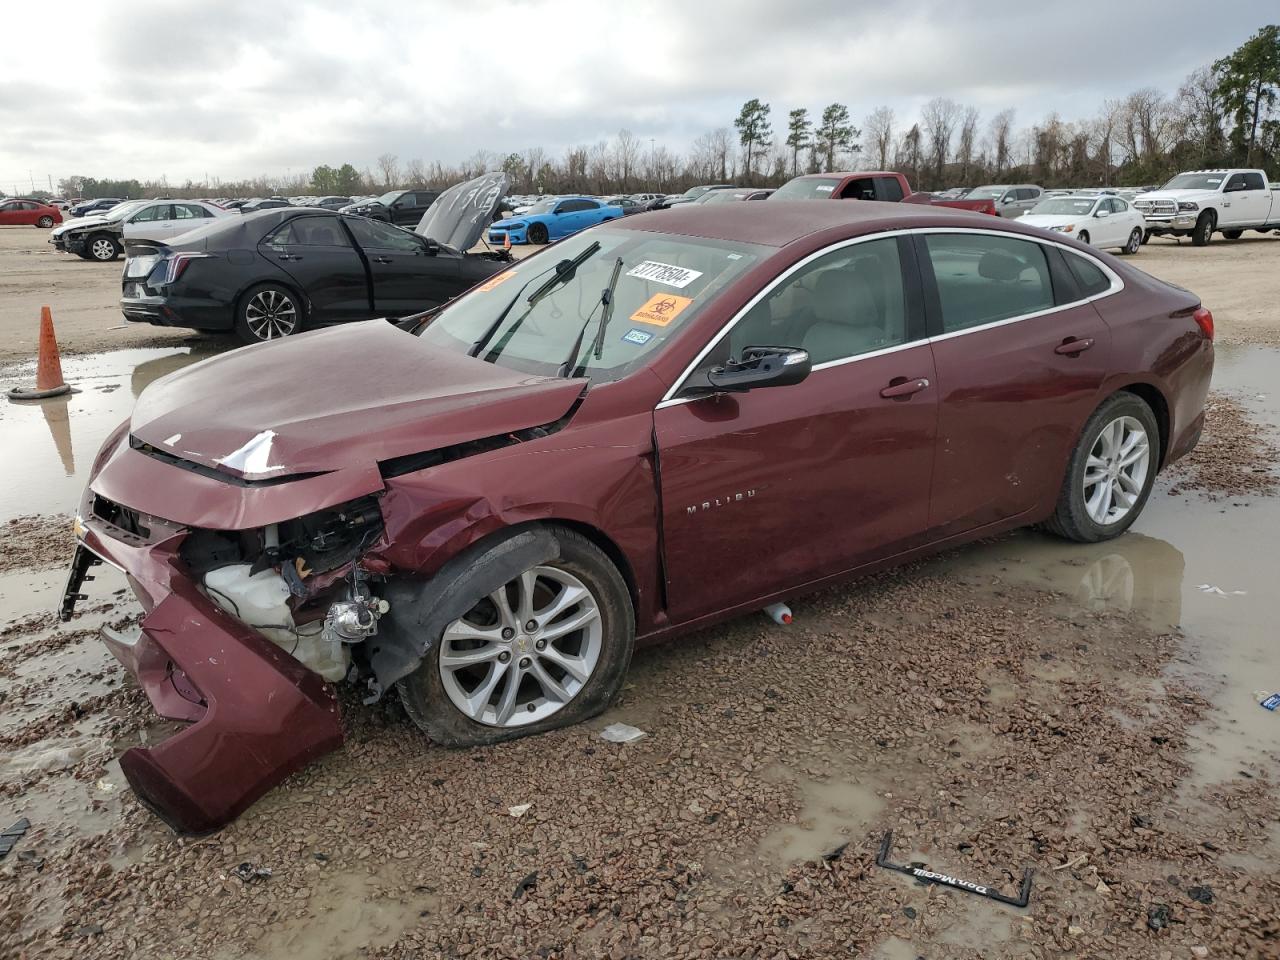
[{"x": 256, "y": 715}]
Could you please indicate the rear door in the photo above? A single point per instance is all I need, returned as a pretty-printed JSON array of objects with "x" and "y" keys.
[
  {"x": 318, "y": 254},
  {"x": 775, "y": 488},
  {"x": 406, "y": 275},
  {"x": 1020, "y": 354}
]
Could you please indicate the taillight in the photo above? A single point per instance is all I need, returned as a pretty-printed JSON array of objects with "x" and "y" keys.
[
  {"x": 1204, "y": 320},
  {"x": 178, "y": 263}
]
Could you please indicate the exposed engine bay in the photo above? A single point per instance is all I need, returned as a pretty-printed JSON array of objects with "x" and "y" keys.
[{"x": 297, "y": 583}]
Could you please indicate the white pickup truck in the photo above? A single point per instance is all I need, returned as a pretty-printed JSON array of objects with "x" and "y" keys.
[{"x": 1199, "y": 203}]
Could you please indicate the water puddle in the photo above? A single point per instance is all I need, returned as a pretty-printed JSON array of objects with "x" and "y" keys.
[
  {"x": 833, "y": 812},
  {"x": 50, "y": 444}
]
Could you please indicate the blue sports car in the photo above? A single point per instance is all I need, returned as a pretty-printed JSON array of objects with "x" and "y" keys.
[{"x": 552, "y": 219}]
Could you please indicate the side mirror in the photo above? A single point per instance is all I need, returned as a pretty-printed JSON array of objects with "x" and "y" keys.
[
  {"x": 1102, "y": 213},
  {"x": 761, "y": 367},
  {"x": 1007, "y": 200},
  {"x": 432, "y": 246}
]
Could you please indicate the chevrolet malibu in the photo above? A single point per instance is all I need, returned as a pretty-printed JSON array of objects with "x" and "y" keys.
[{"x": 653, "y": 426}]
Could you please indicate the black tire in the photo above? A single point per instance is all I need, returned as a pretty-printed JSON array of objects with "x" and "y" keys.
[
  {"x": 1071, "y": 519},
  {"x": 1134, "y": 243},
  {"x": 427, "y": 701},
  {"x": 102, "y": 247},
  {"x": 1083, "y": 236},
  {"x": 1232, "y": 234},
  {"x": 1203, "y": 231},
  {"x": 1146, "y": 237},
  {"x": 538, "y": 233},
  {"x": 250, "y": 322},
  {"x": 45, "y": 222}
]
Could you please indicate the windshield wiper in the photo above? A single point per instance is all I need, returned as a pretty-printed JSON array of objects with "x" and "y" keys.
[
  {"x": 564, "y": 270},
  {"x": 605, "y": 301}
]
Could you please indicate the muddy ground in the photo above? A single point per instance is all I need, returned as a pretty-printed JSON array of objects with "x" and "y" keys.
[{"x": 1089, "y": 712}]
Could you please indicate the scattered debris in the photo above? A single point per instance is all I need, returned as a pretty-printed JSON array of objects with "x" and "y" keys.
[
  {"x": 89, "y": 930},
  {"x": 11, "y": 836},
  {"x": 527, "y": 883},
  {"x": 519, "y": 810},
  {"x": 1219, "y": 592},
  {"x": 1075, "y": 862},
  {"x": 1201, "y": 894},
  {"x": 622, "y": 733},
  {"x": 835, "y": 854},
  {"x": 248, "y": 873},
  {"x": 928, "y": 876},
  {"x": 1158, "y": 917},
  {"x": 1270, "y": 702}
]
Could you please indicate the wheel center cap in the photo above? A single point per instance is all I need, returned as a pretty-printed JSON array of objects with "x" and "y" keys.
[{"x": 522, "y": 643}]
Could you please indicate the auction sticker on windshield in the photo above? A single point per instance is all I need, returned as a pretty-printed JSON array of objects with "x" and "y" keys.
[
  {"x": 500, "y": 278},
  {"x": 661, "y": 309},
  {"x": 678, "y": 277}
]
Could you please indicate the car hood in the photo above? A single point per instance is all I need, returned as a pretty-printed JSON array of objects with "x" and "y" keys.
[
  {"x": 1176, "y": 195},
  {"x": 337, "y": 399},
  {"x": 1051, "y": 219},
  {"x": 460, "y": 215},
  {"x": 78, "y": 223}
]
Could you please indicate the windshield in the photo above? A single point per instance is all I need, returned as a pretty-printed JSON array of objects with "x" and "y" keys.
[
  {"x": 986, "y": 193},
  {"x": 695, "y": 192},
  {"x": 807, "y": 188},
  {"x": 664, "y": 282},
  {"x": 721, "y": 196},
  {"x": 1065, "y": 206},
  {"x": 542, "y": 206},
  {"x": 1194, "y": 181},
  {"x": 121, "y": 209},
  {"x": 387, "y": 199}
]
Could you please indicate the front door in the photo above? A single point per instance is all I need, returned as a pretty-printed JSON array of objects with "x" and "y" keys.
[
  {"x": 778, "y": 487},
  {"x": 1018, "y": 373},
  {"x": 150, "y": 223},
  {"x": 407, "y": 276},
  {"x": 1245, "y": 200},
  {"x": 317, "y": 253}
]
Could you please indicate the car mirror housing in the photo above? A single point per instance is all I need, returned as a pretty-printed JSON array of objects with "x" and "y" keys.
[
  {"x": 761, "y": 367},
  {"x": 1102, "y": 213}
]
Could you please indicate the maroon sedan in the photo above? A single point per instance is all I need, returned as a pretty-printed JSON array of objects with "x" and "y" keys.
[{"x": 652, "y": 426}]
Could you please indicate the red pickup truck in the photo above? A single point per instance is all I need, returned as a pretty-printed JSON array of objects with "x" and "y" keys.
[{"x": 870, "y": 185}]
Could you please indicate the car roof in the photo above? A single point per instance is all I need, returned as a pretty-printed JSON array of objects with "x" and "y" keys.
[
  {"x": 787, "y": 221},
  {"x": 845, "y": 173}
]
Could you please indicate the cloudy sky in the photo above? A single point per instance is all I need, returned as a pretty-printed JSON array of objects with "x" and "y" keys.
[{"x": 237, "y": 88}]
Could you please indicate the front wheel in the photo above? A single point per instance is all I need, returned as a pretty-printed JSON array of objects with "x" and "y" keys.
[
  {"x": 1232, "y": 234},
  {"x": 538, "y": 233},
  {"x": 1134, "y": 243},
  {"x": 1203, "y": 231},
  {"x": 1110, "y": 473},
  {"x": 1083, "y": 236},
  {"x": 548, "y": 649},
  {"x": 268, "y": 312},
  {"x": 45, "y": 222},
  {"x": 103, "y": 247}
]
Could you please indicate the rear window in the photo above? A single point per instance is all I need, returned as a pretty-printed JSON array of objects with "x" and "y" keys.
[
  {"x": 982, "y": 278},
  {"x": 807, "y": 188}
]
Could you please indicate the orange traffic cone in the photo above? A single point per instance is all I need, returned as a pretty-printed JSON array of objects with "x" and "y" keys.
[
  {"x": 49, "y": 382},
  {"x": 506, "y": 242}
]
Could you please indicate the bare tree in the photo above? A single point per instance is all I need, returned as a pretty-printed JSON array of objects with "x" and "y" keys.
[
  {"x": 722, "y": 147},
  {"x": 1001, "y": 143},
  {"x": 415, "y": 173},
  {"x": 1203, "y": 115},
  {"x": 389, "y": 167},
  {"x": 627, "y": 154},
  {"x": 878, "y": 138},
  {"x": 966, "y": 144},
  {"x": 939, "y": 118},
  {"x": 1102, "y": 137},
  {"x": 535, "y": 158}
]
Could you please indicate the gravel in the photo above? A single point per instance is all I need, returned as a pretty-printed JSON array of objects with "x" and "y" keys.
[
  {"x": 990, "y": 726},
  {"x": 1236, "y": 456},
  {"x": 35, "y": 543}
]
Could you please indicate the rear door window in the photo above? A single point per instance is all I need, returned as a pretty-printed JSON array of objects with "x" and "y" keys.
[
  {"x": 1253, "y": 181},
  {"x": 863, "y": 188},
  {"x": 983, "y": 278},
  {"x": 157, "y": 211},
  {"x": 888, "y": 189},
  {"x": 189, "y": 211},
  {"x": 310, "y": 232}
]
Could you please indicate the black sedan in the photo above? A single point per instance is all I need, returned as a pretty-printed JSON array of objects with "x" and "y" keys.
[
  {"x": 402, "y": 207},
  {"x": 271, "y": 274}
]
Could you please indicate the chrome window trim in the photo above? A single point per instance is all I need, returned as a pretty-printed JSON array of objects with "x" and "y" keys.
[{"x": 1117, "y": 284}]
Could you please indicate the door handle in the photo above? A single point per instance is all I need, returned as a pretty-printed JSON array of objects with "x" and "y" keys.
[
  {"x": 904, "y": 389},
  {"x": 1071, "y": 346},
  {"x": 286, "y": 256},
  {"x": 381, "y": 259}
]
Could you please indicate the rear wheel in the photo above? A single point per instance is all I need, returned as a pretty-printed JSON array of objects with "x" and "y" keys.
[
  {"x": 268, "y": 312},
  {"x": 103, "y": 247},
  {"x": 548, "y": 649},
  {"x": 1110, "y": 473},
  {"x": 45, "y": 222},
  {"x": 1232, "y": 234},
  {"x": 1203, "y": 231},
  {"x": 1134, "y": 243},
  {"x": 538, "y": 233}
]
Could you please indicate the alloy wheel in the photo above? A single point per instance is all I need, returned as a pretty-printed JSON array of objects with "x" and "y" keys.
[
  {"x": 270, "y": 314},
  {"x": 46, "y": 222},
  {"x": 1116, "y": 470},
  {"x": 525, "y": 651},
  {"x": 102, "y": 249},
  {"x": 1135, "y": 241}
]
